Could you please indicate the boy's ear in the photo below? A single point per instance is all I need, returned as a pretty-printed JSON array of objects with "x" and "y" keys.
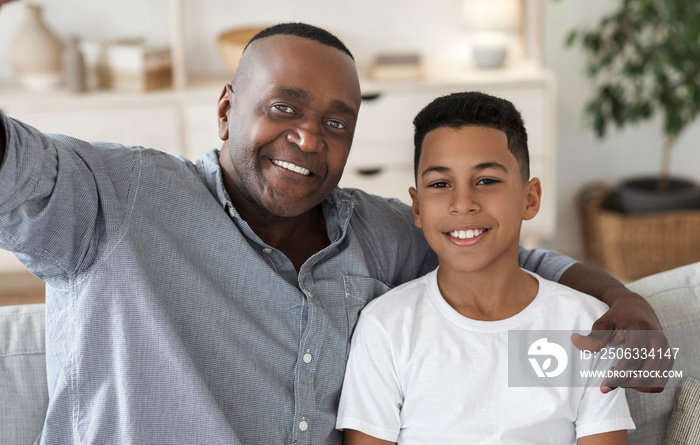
[
  {"x": 416, "y": 210},
  {"x": 532, "y": 198}
]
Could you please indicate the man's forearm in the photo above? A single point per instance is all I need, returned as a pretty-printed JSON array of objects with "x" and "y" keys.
[{"x": 592, "y": 281}]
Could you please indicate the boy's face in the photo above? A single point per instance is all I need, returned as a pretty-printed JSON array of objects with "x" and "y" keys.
[{"x": 470, "y": 198}]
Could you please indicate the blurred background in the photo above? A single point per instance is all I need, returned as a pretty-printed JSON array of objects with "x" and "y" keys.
[{"x": 413, "y": 41}]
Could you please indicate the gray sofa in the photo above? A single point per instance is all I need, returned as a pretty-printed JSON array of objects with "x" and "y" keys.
[{"x": 675, "y": 295}]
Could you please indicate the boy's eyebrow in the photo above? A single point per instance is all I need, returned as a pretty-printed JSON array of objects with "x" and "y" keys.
[
  {"x": 436, "y": 169},
  {"x": 477, "y": 167},
  {"x": 493, "y": 164}
]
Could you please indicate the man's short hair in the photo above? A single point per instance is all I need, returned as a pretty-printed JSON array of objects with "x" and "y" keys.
[
  {"x": 302, "y": 30},
  {"x": 476, "y": 110}
]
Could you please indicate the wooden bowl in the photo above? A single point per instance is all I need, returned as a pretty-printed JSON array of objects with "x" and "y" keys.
[{"x": 232, "y": 42}]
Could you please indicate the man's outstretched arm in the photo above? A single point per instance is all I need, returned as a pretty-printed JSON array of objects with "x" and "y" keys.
[
  {"x": 2, "y": 143},
  {"x": 629, "y": 313}
]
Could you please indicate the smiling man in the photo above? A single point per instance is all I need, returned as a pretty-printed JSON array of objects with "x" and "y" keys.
[{"x": 214, "y": 302}]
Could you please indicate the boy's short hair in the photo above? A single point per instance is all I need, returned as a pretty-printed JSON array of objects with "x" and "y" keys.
[
  {"x": 473, "y": 109},
  {"x": 302, "y": 30}
]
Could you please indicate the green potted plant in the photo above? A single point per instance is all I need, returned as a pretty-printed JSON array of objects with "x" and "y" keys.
[{"x": 644, "y": 60}]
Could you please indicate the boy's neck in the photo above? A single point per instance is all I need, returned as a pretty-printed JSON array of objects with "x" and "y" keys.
[{"x": 496, "y": 292}]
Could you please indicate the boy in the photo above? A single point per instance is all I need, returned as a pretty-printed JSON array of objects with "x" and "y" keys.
[{"x": 428, "y": 362}]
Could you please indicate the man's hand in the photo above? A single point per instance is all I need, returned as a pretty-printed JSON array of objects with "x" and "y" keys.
[{"x": 630, "y": 320}]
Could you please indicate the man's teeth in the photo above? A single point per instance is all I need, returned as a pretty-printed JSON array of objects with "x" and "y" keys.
[
  {"x": 466, "y": 234},
  {"x": 292, "y": 167}
]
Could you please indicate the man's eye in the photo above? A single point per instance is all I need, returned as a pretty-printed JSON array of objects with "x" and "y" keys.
[
  {"x": 284, "y": 108},
  {"x": 336, "y": 124}
]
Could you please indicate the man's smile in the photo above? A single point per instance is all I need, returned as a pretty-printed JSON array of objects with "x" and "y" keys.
[{"x": 292, "y": 167}]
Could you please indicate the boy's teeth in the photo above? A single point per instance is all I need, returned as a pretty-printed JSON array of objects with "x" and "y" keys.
[
  {"x": 292, "y": 167},
  {"x": 466, "y": 234}
]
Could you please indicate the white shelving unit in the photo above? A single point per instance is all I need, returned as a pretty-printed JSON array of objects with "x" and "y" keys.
[{"x": 183, "y": 120}]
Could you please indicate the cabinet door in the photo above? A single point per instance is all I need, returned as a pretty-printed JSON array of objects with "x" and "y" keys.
[
  {"x": 202, "y": 131},
  {"x": 153, "y": 127}
]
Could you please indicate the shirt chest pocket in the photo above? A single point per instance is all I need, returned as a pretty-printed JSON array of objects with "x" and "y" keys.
[{"x": 358, "y": 292}]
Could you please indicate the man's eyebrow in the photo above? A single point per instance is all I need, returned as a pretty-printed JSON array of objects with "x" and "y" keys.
[
  {"x": 301, "y": 94},
  {"x": 296, "y": 93},
  {"x": 344, "y": 107}
]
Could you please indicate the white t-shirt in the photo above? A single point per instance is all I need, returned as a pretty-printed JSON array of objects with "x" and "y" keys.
[{"x": 419, "y": 372}]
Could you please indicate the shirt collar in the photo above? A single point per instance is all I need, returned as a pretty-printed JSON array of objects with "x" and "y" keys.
[{"x": 337, "y": 208}]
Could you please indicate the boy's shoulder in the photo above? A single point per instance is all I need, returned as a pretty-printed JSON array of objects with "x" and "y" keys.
[
  {"x": 561, "y": 298},
  {"x": 405, "y": 296}
]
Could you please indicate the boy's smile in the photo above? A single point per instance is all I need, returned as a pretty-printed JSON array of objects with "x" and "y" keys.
[{"x": 471, "y": 199}]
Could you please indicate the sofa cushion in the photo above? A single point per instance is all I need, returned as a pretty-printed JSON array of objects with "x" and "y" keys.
[
  {"x": 23, "y": 389},
  {"x": 675, "y": 296},
  {"x": 684, "y": 427}
]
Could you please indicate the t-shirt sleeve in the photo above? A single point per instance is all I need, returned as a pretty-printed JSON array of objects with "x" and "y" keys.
[
  {"x": 603, "y": 413},
  {"x": 371, "y": 398},
  {"x": 545, "y": 263}
]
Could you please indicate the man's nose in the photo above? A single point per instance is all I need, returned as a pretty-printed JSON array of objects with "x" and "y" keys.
[{"x": 307, "y": 136}]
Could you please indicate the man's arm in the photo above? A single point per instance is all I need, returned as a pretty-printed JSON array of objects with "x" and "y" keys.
[
  {"x": 2, "y": 143},
  {"x": 629, "y": 314}
]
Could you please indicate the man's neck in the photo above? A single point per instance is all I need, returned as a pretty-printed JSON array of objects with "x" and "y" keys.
[
  {"x": 297, "y": 237},
  {"x": 496, "y": 292}
]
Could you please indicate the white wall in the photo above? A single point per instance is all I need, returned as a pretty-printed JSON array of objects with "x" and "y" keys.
[{"x": 368, "y": 26}]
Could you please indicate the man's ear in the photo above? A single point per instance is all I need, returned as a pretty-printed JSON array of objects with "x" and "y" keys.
[
  {"x": 532, "y": 198},
  {"x": 415, "y": 207},
  {"x": 225, "y": 103}
]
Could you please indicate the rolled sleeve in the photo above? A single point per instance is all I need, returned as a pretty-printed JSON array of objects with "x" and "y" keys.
[{"x": 545, "y": 263}]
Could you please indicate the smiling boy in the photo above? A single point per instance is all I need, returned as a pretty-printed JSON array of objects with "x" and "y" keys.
[{"x": 418, "y": 351}]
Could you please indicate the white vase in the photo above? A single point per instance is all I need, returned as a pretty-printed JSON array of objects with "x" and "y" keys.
[{"x": 35, "y": 53}]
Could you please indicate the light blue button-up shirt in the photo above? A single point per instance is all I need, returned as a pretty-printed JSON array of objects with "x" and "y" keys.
[{"x": 168, "y": 320}]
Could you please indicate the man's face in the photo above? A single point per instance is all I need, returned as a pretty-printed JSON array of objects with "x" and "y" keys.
[
  {"x": 470, "y": 198},
  {"x": 287, "y": 125}
]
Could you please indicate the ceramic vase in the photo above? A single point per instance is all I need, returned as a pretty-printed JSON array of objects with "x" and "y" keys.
[{"x": 35, "y": 53}]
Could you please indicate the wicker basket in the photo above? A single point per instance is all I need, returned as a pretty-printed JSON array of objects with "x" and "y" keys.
[{"x": 630, "y": 246}]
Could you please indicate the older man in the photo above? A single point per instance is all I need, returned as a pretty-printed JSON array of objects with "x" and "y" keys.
[{"x": 214, "y": 302}]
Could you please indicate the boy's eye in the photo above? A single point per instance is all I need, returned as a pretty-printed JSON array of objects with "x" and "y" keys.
[
  {"x": 439, "y": 185},
  {"x": 487, "y": 181}
]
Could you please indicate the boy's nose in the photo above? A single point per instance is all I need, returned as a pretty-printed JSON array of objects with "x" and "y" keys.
[{"x": 464, "y": 203}]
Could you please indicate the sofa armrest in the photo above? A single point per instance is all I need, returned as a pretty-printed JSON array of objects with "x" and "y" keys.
[{"x": 675, "y": 296}]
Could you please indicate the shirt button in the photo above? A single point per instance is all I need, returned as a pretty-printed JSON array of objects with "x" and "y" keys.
[
  {"x": 267, "y": 250},
  {"x": 303, "y": 426},
  {"x": 309, "y": 294},
  {"x": 231, "y": 212},
  {"x": 307, "y": 358}
]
